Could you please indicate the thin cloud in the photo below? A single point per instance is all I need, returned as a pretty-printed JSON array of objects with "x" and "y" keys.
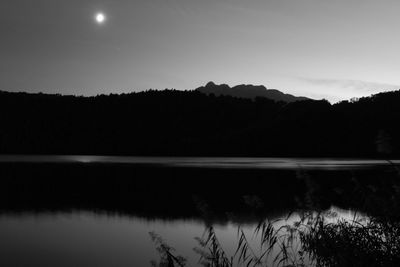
[{"x": 353, "y": 85}]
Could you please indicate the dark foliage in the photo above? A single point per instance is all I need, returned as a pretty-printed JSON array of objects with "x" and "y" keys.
[{"x": 190, "y": 123}]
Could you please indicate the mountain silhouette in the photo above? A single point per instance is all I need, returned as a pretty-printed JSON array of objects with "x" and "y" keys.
[{"x": 248, "y": 91}]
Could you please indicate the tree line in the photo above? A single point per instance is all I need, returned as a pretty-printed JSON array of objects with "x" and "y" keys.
[{"x": 190, "y": 123}]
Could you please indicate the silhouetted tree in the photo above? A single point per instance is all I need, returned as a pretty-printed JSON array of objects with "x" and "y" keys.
[{"x": 190, "y": 123}]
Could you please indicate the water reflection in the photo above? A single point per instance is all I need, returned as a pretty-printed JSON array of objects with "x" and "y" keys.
[
  {"x": 209, "y": 162},
  {"x": 100, "y": 214},
  {"x": 91, "y": 239},
  {"x": 84, "y": 239}
]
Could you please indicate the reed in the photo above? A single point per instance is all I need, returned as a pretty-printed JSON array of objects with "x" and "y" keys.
[{"x": 319, "y": 237}]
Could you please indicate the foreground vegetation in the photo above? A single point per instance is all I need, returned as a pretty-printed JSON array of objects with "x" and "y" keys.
[
  {"x": 314, "y": 236},
  {"x": 314, "y": 240}
]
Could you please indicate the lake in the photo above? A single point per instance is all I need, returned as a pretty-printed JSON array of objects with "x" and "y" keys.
[
  {"x": 90, "y": 239},
  {"x": 208, "y": 162},
  {"x": 98, "y": 211}
]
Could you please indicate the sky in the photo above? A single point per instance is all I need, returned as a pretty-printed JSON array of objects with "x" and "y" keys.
[{"x": 332, "y": 49}]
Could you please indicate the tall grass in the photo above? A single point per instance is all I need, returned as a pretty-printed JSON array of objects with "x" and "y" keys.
[
  {"x": 315, "y": 239},
  {"x": 166, "y": 252},
  {"x": 318, "y": 237}
]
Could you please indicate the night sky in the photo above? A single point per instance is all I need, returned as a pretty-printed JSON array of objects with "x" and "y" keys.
[{"x": 316, "y": 48}]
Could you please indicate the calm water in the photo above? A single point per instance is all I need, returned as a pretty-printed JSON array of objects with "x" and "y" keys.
[
  {"x": 98, "y": 211},
  {"x": 210, "y": 162},
  {"x": 88, "y": 239},
  {"x": 81, "y": 239}
]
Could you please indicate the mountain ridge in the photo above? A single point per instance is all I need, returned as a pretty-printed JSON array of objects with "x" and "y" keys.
[{"x": 248, "y": 91}]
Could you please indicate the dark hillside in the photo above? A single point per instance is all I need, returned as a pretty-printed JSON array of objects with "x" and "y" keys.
[{"x": 190, "y": 123}]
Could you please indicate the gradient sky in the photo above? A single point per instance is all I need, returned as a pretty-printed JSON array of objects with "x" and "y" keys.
[{"x": 334, "y": 49}]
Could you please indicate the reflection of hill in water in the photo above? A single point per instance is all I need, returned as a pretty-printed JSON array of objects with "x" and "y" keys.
[{"x": 218, "y": 195}]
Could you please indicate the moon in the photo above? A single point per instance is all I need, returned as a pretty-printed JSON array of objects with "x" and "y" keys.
[{"x": 100, "y": 18}]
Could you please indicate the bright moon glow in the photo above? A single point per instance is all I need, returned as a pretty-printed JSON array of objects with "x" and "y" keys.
[{"x": 100, "y": 18}]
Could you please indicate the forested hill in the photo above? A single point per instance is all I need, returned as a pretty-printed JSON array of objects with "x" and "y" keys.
[{"x": 171, "y": 123}]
